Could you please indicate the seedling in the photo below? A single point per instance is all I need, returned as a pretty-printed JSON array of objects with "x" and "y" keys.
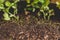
[
  {"x": 58, "y": 4},
  {"x": 7, "y": 15},
  {"x": 43, "y": 6},
  {"x": 47, "y": 13}
]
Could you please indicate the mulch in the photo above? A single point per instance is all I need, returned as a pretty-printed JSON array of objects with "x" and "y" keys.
[{"x": 15, "y": 31}]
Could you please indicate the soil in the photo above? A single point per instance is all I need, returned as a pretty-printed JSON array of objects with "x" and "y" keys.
[{"x": 10, "y": 30}]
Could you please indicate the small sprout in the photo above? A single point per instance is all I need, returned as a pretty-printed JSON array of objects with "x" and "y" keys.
[
  {"x": 17, "y": 18},
  {"x": 39, "y": 14},
  {"x": 46, "y": 14},
  {"x": 36, "y": 1},
  {"x": 57, "y": 3},
  {"x": 28, "y": 1},
  {"x": 50, "y": 11},
  {"x": 42, "y": 10},
  {"x": 33, "y": 9},
  {"x": 11, "y": 15},
  {"x": 6, "y": 16},
  {"x": 13, "y": 7},
  {"x": 7, "y": 12},
  {"x": 46, "y": 8},
  {"x": 7, "y": 3},
  {"x": 2, "y": 1},
  {"x": 42, "y": 1},
  {"x": 1, "y": 6}
]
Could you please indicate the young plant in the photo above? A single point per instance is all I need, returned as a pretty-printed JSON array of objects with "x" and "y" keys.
[
  {"x": 47, "y": 13},
  {"x": 35, "y": 4},
  {"x": 1, "y": 4},
  {"x": 51, "y": 13},
  {"x": 58, "y": 4},
  {"x": 7, "y": 15},
  {"x": 43, "y": 7}
]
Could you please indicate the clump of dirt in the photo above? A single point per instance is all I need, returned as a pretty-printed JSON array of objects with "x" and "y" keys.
[{"x": 32, "y": 31}]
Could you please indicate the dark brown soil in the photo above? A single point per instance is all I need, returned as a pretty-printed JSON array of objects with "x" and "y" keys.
[{"x": 32, "y": 31}]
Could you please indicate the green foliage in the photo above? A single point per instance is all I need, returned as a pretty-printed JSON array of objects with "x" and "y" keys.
[
  {"x": 2, "y": 1},
  {"x": 39, "y": 3},
  {"x": 43, "y": 7},
  {"x": 36, "y": 1},
  {"x": 1, "y": 4},
  {"x": 58, "y": 4},
  {"x": 28, "y": 1},
  {"x": 7, "y": 15},
  {"x": 47, "y": 13},
  {"x": 7, "y": 3}
]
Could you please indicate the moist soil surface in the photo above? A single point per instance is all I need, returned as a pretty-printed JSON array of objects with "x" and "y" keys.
[{"x": 29, "y": 31}]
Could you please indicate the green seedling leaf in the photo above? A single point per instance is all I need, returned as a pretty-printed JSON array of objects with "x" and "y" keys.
[
  {"x": 58, "y": 4},
  {"x": 46, "y": 8},
  {"x": 28, "y": 1},
  {"x": 6, "y": 16},
  {"x": 15, "y": 1},
  {"x": 46, "y": 14},
  {"x": 14, "y": 6},
  {"x": 1, "y": 6},
  {"x": 36, "y": 6},
  {"x": 46, "y": 3},
  {"x": 33, "y": 9},
  {"x": 12, "y": 15},
  {"x": 42, "y": 1},
  {"x": 41, "y": 10},
  {"x": 7, "y": 3},
  {"x": 36, "y": 1},
  {"x": 38, "y": 14},
  {"x": 50, "y": 11},
  {"x": 2, "y": 1},
  {"x": 17, "y": 18},
  {"x": 30, "y": 9}
]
